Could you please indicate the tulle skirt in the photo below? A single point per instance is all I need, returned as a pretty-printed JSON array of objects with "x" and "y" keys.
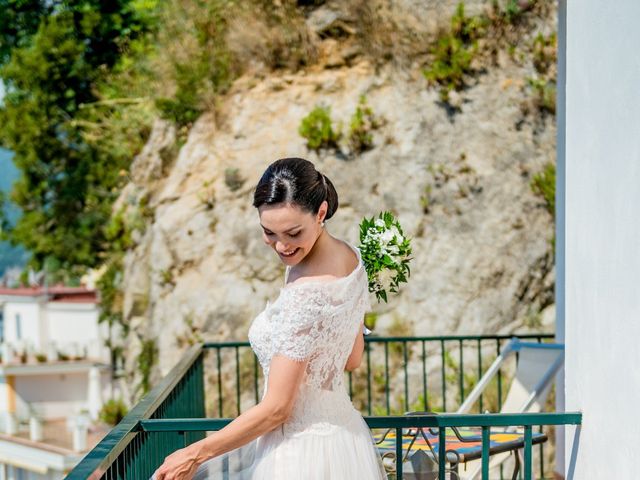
[{"x": 340, "y": 452}]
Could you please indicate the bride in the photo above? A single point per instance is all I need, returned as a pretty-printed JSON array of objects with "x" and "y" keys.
[{"x": 305, "y": 427}]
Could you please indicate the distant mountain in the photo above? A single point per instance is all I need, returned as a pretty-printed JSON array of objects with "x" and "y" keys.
[{"x": 9, "y": 256}]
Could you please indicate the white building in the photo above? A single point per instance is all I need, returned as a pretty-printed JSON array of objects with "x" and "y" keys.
[
  {"x": 598, "y": 236},
  {"x": 54, "y": 373}
]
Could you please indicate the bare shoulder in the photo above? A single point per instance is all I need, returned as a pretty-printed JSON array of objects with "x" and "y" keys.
[
  {"x": 339, "y": 262},
  {"x": 346, "y": 258}
]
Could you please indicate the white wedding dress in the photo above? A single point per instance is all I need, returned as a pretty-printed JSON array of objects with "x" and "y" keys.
[{"x": 325, "y": 438}]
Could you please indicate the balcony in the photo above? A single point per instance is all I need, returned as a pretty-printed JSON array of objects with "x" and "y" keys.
[
  {"x": 398, "y": 375},
  {"x": 26, "y": 353}
]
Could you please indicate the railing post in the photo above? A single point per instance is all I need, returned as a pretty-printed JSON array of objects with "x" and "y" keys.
[
  {"x": 424, "y": 377},
  {"x": 387, "y": 390},
  {"x": 399, "y": 459},
  {"x": 461, "y": 370},
  {"x": 444, "y": 377},
  {"x": 486, "y": 435},
  {"x": 405, "y": 362},
  {"x": 238, "y": 380},
  {"x": 368, "y": 346},
  {"x": 528, "y": 451},
  {"x": 219, "y": 365},
  {"x": 442, "y": 452}
]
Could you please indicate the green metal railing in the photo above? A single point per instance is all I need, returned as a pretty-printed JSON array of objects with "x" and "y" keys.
[
  {"x": 128, "y": 453},
  {"x": 438, "y": 422},
  {"x": 136, "y": 446},
  {"x": 437, "y": 362}
]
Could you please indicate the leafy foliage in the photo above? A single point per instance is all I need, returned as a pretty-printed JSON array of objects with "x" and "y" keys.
[
  {"x": 233, "y": 179},
  {"x": 385, "y": 252},
  {"x": 545, "y": 55},
  {"x": 67, "y": 184},
  {"x": 19, "y": 20},
  {"x": 363, "y": 122},
  {"x": 317, "y": 129},
  {"x": 146, "y": 360},
  {"x": 454, "y": 52},
  {"x": 542, "y": 86},
  {"x": 113, "y": 411},
  {"x": 471, "y": 41},
  {"x": 543, "y": 94},
  {"x": 544, "y": 185},
  {"x": 192, "y": 44}
]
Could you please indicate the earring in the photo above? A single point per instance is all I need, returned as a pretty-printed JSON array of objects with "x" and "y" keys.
[{"x": 322, "y": 224}]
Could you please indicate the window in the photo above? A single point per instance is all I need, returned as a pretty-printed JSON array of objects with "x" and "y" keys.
[
  {"x": 20, "y": 473},
  {"x": 18, "y": 327}
]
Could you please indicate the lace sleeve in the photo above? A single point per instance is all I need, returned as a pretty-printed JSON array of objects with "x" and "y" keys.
[{"x": 299, "y": 319}]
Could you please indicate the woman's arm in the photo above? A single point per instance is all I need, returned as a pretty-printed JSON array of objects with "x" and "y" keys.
[
  {"x": 355, "y": 358},
  {"x": 285, "y": 376}
]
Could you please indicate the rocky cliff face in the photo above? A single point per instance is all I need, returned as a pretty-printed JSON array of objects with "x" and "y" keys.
[{"x": 459, "y": 183}]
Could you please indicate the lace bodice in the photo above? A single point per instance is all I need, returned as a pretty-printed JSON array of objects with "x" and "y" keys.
[{"x": 317, "y": 322}]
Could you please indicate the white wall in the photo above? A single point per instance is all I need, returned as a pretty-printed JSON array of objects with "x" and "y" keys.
[
  {"x": 560, "y": 222},
  {"x": 70, "y": 326},
  {"x": 53, "y": 396},
  {"x": 29, "y": 319},
  {"x": 602, "y": 227},
  {"x": 75, "y": 324}
]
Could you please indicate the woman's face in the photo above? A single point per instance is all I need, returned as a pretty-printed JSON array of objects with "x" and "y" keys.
[{"x": 289, "y": 230}]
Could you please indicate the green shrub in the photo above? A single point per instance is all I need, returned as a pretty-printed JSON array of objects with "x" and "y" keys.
[
  {"x": 544, "y": 184},
  {"x": 426, "y": 200},
  {"x": 544, "y": 51},
  {"x": 316, "y": 128},
  {"x": 146, "y": 360},
  {"x": 541, "y": 88},
  {"x": 192, "y": 44},
  {"x": 233, "y": 179},
  {"x": 454, "y": 52},
  {"x": 543, "y": 94},
  {"x": 113, "y": 411},
  {"x": 512, "y": 11},
  {"x": 363, "y": 122}
]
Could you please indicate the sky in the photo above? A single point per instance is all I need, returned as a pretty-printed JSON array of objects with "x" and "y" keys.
[{"x": 9, "y": 256}]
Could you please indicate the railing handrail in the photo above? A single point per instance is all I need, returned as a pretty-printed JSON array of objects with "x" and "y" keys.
[
  {"x": 433, "y": 338},
  {"x": 108, "y": 449},
  {"x": 391, "y": 421}
]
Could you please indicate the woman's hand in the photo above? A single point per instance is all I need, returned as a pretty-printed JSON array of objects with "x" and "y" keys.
[{"x": 180, "y": 465}]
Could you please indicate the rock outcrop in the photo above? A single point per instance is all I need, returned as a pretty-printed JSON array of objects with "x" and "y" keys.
[{"x": 458, "y": 181}]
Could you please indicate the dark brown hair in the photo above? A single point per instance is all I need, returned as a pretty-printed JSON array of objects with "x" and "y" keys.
[{"x": 296, "y": 181}]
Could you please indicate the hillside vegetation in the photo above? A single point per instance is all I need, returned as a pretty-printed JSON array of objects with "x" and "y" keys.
[{"x": 403, "y": 86}]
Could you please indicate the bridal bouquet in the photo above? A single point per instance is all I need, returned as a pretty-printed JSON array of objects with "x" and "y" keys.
[{"x": 385, "y": 252}]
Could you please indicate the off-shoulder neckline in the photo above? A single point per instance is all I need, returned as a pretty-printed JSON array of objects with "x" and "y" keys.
[{"x": 288, "y": 286}]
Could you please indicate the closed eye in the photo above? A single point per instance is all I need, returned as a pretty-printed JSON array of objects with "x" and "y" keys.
[{"x": 290, "y": 234}]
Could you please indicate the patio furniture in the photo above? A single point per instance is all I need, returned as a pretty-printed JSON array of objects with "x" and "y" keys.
[
  {"x": 538, "y": 363},
  {"x": 464, "y": 445}
]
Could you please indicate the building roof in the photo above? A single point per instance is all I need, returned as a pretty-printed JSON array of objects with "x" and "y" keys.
[{"x": 55, "y": 293}]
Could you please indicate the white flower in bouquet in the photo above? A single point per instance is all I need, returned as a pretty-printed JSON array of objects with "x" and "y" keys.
[{"x": 385, "y": 252}]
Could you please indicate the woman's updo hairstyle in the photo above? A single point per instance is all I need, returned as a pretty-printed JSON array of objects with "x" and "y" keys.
[{"x": 296, "y": 181}]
